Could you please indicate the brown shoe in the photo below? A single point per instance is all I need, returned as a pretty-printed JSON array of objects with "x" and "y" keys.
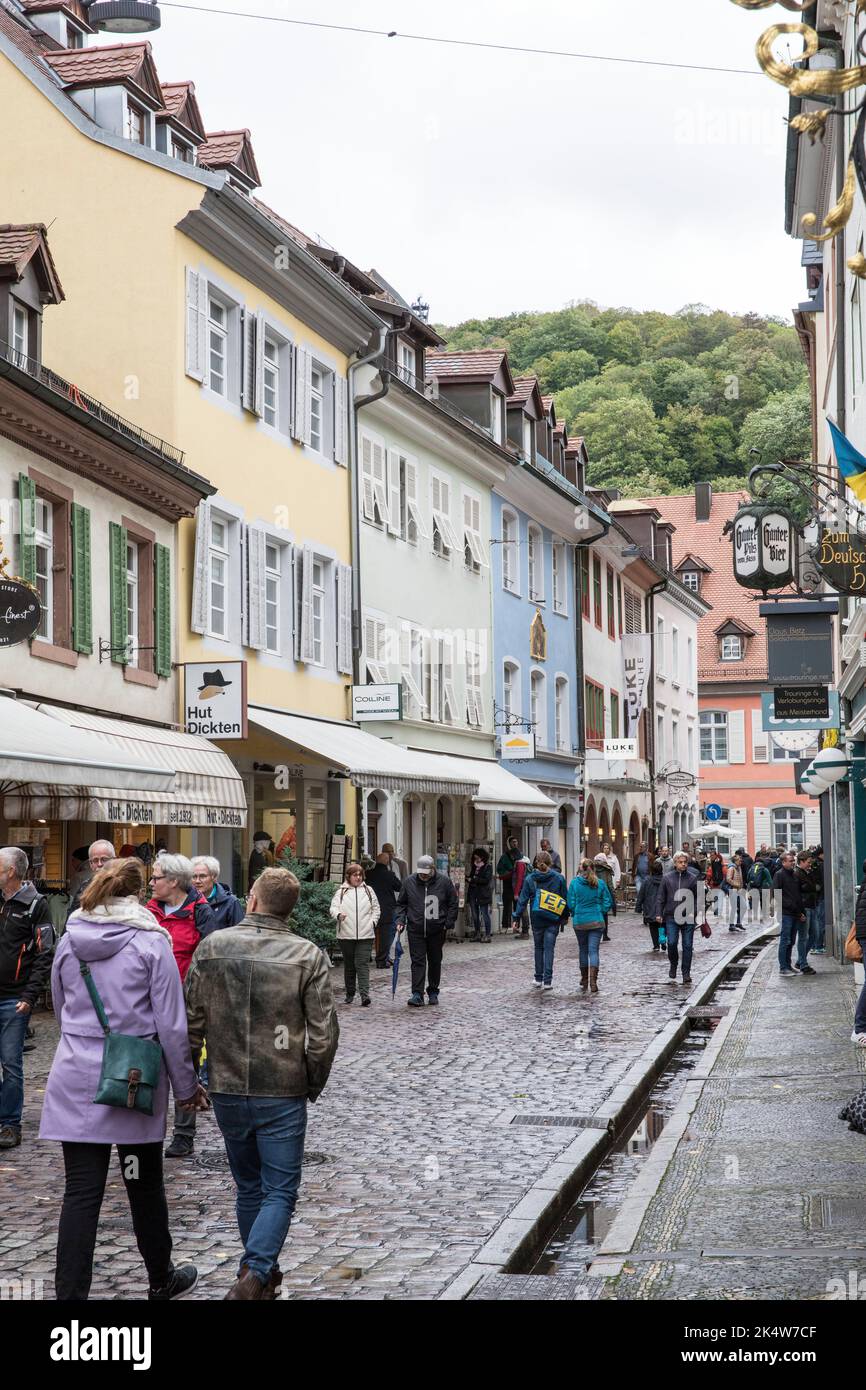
[
  {"x": 272, "y": 1287},
  {"x": 247, "y": 1286},
  {"x": 593, "y": 979},
  {"x": 584, "y": 979}
]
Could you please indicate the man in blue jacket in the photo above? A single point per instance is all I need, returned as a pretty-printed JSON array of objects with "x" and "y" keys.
[
  {"x": 544, "y": 893},
  {"x": 676, "y": 907}
]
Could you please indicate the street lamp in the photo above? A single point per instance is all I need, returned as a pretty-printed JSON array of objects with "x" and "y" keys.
[
  {"x": 124, "y": 16},
  {"x": 764, "y": 546}
]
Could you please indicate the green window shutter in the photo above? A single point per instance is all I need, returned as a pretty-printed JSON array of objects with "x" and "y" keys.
[
  {"x": 82, "y": 612},
  {"x": 162, "y": 609},
  {"x": 117, "y": 539},
  {"x": 27, "y": 510}
]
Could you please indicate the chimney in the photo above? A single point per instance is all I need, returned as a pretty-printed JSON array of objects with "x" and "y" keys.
[{"x": 703, "y": 501}]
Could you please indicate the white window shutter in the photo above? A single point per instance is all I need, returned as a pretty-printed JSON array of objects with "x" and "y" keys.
[
  {"x": 341, "y": 420},
  {"x": 433, "y": 663},
  {"x": 252, "y": 346},
  {"x": 812, "y": 826},
  {"x": 196, "y": 324},
  {"x": 301, "y": 418},
  {"x": 344, "y": 619},
  {"x": 259, "y": 393},
  {"x": 760, "y": 739},
  {"x": 413, "y": 507},
  {"x": 763, "y": 827},
  {"x": 200, "y": 585},
  {"x": 304, "y": 602},
  {"x": 738, "y": 822},
  {"x": 298, "y": 583},
  {"x": 255, "y": 563},
  {"x": 394, "y": 508},
  {"x": 736, "y": 736}
]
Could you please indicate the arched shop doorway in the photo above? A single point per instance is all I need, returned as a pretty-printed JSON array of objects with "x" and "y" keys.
[
  {"x": 603, "y": 828},
  {"x": 634, "y": 835},
  {"x": 616, "y": 840},
  {"x": 590, "y": 830}
]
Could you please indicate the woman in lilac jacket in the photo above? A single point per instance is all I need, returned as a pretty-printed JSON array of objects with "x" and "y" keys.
[{"x": 133, "y": 967}]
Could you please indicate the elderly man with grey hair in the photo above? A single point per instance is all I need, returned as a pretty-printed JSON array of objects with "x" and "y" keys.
[
  {"x": 221, "y": 900},
  {"x": 186, "y": 915},
  {"x": 26, "y": 948},
  {"x": 100, "y": 853}
]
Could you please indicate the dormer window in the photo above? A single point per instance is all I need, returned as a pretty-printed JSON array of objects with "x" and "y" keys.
[
  {"x": 74, "y": 37},
  {"x": 496, "y": 416},
  {"x": 406, "y": 361},
  {"x": 181, "y": 150},
  {"x": 137, "y": 124},
  {"x": 20, "y": 334},
  {"x": 732, "y": 648},
  {"x": 692, "y": 580}
]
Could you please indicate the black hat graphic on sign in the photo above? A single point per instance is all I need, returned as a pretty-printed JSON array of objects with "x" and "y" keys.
[{"x": 213, "y": 683}]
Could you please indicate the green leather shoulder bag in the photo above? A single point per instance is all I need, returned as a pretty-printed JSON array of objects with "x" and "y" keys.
[{"x": 130, "y": 1066}]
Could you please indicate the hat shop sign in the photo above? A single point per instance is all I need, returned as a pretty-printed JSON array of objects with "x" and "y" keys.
[
  {"x": 20, "y": 612},
  {"x": 215, "y": 699}
]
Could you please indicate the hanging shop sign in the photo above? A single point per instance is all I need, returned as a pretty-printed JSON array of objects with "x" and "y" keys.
[
  {"x": 636, "y": 662},
  {"x": 20, "y": 612},
  {"x": 800, "y": 642},
  {"x": 518, "y": 747},
  {"x": 372, "y": 702},
  {"x": 215, "y": 699},
  {"x": 625, "y": 748},
  {"x": 765, "y": 546},
  {"x": 841, "y": 558},
  {"x": 805, "y": 699}
]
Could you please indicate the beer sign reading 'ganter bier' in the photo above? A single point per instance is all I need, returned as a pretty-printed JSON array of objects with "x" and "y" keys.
[{"x": 764, "y": 538}]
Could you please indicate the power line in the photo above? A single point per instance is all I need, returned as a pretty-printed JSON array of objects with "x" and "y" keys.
[{"x": 463, "y": 43}]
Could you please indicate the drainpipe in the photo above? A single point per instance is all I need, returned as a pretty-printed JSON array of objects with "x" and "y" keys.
[{"x": 356, "y": 533}]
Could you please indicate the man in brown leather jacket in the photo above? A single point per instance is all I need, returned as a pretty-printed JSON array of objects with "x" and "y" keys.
[{"x": 262, "y": 997}]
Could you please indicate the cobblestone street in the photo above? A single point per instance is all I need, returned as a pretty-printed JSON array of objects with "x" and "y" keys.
[{"x": 412, "y": 1156}]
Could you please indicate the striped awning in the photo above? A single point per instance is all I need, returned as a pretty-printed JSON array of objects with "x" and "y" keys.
[{"x": 205, "y": 787}]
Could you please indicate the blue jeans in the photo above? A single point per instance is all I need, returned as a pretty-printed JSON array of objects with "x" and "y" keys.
[
  {"x": 807, "y": 936},
  {"x": 480, "y": 913},
  {"x": 860, "y": 1015},
  {"x": 820, "y": 924},
  {"x": 792, "y": 930},
  {"x": 672, "y": 931},
  {"x": 544, "y": 934},
  {"x": 588, "y": 939},
  {"x": 264, "y": 1139},
  {"x": 13, "y": 1026}
]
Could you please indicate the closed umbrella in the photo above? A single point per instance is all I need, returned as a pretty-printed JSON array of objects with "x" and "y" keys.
[{"x": 395, "y": 970}]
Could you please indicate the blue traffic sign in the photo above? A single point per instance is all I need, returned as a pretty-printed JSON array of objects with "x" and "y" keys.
[{"x": 714, "y": 812}]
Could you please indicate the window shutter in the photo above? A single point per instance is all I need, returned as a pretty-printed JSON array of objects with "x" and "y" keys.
[
  {"x": 256, "y": 636},
  {"x": 738, "y": 823},
  {"x": 395, "y": 520},
  {"x": 413, "y": 508},
  {"x": 198, "y": 619},
  {"x": 763, "y": 827},
  {"x": 117, "y": 541},
  {"x": 253, "y": 350},
  {"x": 196, "y": 324},
  {"x": 27, "y": 527},
  {"x": 760, "y": 739},
  {"x": 303, "y": 567},
  {"x": 82, "y": 611},
  {"x": 341, "y": 420},
  {"x": 301, "y": 417},
  {"x": 344, "y": 619},
  {"x": 162, "y": 609},
  {"x": 736, "y": 736},
  {"x": 434, "y": 665},
  {"x": 368, "y": 492},
  {"x": 812, "y": 826}
]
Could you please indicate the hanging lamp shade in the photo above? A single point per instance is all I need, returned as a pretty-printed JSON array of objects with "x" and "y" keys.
[
  {"x": 124, "y": 16},
  {"x": 831, "y": 765}
]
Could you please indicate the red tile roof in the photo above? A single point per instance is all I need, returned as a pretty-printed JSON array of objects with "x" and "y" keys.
[
  {"x": 98, "y": 67},
  {"x": 482, "y": 365},
  {"x": 19, "y": 243},
  {"x": 718, "y": 587},
  {"x": 230, "y": 149},
  {"x": 74, "y": 7},
  {"x": 32, "y": 43},
  {"x": 178, "y": 99},
  {"x": 523, "y": 389}
]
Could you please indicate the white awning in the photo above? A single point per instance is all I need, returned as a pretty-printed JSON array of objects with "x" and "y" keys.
[
  {"x": 35, "y": 749},
  {"x": 367, "y": 760},
  {"x": 176, "y": 779},
  {"x": 500, "y": 790}
]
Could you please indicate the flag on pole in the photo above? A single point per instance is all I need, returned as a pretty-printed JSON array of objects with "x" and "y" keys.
[{"x": 852, "y": 464}]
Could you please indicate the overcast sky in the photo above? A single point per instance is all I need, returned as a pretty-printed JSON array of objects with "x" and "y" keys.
[{"x": 490, "y": 182}]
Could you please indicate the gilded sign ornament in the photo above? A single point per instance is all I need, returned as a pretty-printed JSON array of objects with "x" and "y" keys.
[{"x": 538, "y": 638}]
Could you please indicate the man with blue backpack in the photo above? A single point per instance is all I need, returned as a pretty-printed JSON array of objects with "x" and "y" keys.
[{"x": 544, "y": 892}]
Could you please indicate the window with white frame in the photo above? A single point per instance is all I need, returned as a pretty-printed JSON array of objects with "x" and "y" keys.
[
  {"x": 732, "y": 648},
  {"x": 538, "y": 707},
  {"x": 474, "y": 689},
  {"x": 218, "y": 577},
  {"x": 511, "y": 702},
  {"x": 675, "y": 740},
  {"x": 376, "y": 654},
  {"x": 318, "y": 614},
  {"x": 449, "y": 691},
  {"x": 691, "y": 580},
  {"x": 317, "y": 409},
  {"x": 181, "y": 150},
  {"x": 660, "y": 740},
  {"x": 560, "y": 578},
  {"x": 473, "y": 546},
  {"x": 271, "y": 381},
  {"x": 562, "y": 731},
  {"x": 496, "y": 415},
  {"x": 137, "y": 124},
  {"x": 413, "y": 521},
  {"x": 218, "y": 346},
  {"x": 444, "y": 536},
  {"x": 510, "y": 553},
  {"x": 412, "y": 670},
  {"x": 714, "y": 736},
  {"x": 374, "y": 484},
  {"x": 132, "y": 605},
  {"x": 529, "y": 439},
  {"x": 535, "y": 564},
  {"x": 43, "y": 543},
  {"x": 661, "y": 663},
  {"x": 690, "y": 660},
  {"x": 20, "y": 333},
  {"x": 406, "y": 362},
  {"x": 789, "y": 827},
  {"x": 675, "y": 653},
  {"x": 74, "y": 36},
  {"x": 633, "y": 621},
  {"x": 690, "y": 745},
  {"x": 273, "y": 582}
]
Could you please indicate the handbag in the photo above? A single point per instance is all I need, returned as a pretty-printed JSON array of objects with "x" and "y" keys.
[
  {"x": 130, "y": 1066},
  {"x": 706, "y": 929},
  {"x": 853, "y": 949},
  {"x": 855, "y": 1112}
]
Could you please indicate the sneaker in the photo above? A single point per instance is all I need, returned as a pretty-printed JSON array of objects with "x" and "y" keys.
[
  {"x": 415, "y": 1001},
  {"x": 365, "y": 1001},
  {"x": 10, "y": 1136},
  {"x": 789, "y": 972},
  {"x": 547, "y": 986},
  {"x": 859, "y": 1039},
  {"x": 180, "y": 1148},
  {"x": 181, "y": 1282},
  {"x": 820, "y": 951},
  {"x": 432, "y": 996},
  {"x": 537, "y": 984},
  {"x": 807, "y": 970}
]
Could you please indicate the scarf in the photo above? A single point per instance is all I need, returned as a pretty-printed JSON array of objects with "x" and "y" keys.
[{"x": 127, "y": 911}]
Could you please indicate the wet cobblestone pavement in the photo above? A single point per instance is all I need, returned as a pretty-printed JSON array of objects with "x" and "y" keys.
[{"x": 412, "y": 1159}]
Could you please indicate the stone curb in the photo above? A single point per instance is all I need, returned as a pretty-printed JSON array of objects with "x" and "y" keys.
[{"x": 531, "y": 1221}]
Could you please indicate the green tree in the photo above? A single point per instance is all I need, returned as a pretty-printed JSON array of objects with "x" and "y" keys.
[
  {"x": 625, "y": 437},
  {"x": 562, "y": 369},
  {"x": 311, "y": 918},
  {"x": 780, "y": 429},
  {"x": 624, "y": 343}
]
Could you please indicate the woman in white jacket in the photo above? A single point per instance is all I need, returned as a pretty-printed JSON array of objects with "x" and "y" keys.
[{"x": 355, "y": 908}]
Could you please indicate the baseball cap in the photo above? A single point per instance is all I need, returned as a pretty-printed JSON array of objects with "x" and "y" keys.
[{"x": 424, "y": 863}]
